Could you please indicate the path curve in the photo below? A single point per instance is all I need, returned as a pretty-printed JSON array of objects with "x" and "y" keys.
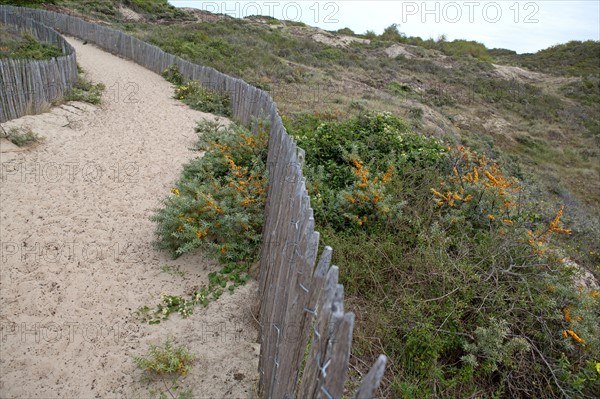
[{"x": 77, "y": 259}]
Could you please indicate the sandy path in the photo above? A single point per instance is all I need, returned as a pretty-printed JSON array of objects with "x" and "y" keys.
[{"x": 76, "y": 248}]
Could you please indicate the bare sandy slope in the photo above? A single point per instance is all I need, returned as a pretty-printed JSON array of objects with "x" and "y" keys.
[{"x": 77, "y": 259}]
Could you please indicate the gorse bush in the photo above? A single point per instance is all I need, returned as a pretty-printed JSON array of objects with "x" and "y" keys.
[
  {"x": 350, "y": 165},
  {"x": 217, "y": 205},
  {"x": 449, "y": 266},
  {"x": 172, "y": 74},
  {"x": 218, "y": 202}
]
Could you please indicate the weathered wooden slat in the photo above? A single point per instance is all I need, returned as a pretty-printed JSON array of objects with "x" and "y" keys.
[
  {"x": 338, "y": 355},
  {"x": 371, "y": 382},
  {"x": 318, "y": 348}
]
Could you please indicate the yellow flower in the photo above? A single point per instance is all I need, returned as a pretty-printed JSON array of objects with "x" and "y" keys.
[
  {"x": 175, "y": 191},
  {"x": 491, "y": 217}
]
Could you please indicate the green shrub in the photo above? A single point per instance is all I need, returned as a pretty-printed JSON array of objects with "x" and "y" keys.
[
  {"x": 461, "y": 48},
  {"x": 85, "y": 90},
  {"x": 21, "y": 137},
  {"x": 392, "y": 34},
  {"x": 218, "y": 202},
  {"x": 462, "y": 285},
  {"x": 203, "y": 99},
  {"x": 346, "y": 31},
  {"x": 218, "y": 205},
  {"x": 350, "y": 164},
  {"x": 26, "y": 47},
  {"x": 172, "y": 74}
]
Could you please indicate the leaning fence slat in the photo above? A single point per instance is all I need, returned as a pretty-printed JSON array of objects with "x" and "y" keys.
[
  {"x": 338, "y": 355},
  {"x": 371, "y": 382},
  {"x": 318, "y": 348}
]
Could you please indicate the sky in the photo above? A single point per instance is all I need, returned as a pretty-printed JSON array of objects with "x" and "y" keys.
[{"x": 520, "y": 25}]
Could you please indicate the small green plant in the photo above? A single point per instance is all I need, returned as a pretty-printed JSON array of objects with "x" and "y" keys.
[
  {"x": 195, "y": 95},
  {"x": 172, "y": 74},
  {"x": 21, "y": 137},
  {"x": 165, "y": 366},
  {"x": 86, "y": 91},
  {"x": 401, "y": 90},
  {"x": 227, "y": 279},
  {"x": 203, "y": 99},
  {"x": 172, "y": 270}
]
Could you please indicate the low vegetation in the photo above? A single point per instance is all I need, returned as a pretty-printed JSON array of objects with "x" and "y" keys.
[
  {"x": 16, "y": 45},
  {"x": 196, "y": 96},
  {"x": 217, "y": 205},
  {"x": 158, "y": 11},
  {"x": 575, "y": 58},
  {"x": 21, "y": 137},
  {"x": 85, "y": 90},
  {"x": 451, "y": 269},
  {"x": 163, "y": 367}
]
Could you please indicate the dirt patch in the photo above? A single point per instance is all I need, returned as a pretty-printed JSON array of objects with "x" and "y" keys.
[
  {"x": 398, "y": 50},
  {"x": 517, "y": 73},
  {"x": 129, "y": 15},
  {"x": 338, "y": 40}
]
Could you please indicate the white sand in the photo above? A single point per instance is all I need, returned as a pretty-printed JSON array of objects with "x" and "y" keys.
[{"x": 77, "y": 259}]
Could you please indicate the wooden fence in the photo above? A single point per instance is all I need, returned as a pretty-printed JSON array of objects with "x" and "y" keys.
[
  {"x": 29, "y": 86},
  {"x": 305, "y": 335}
]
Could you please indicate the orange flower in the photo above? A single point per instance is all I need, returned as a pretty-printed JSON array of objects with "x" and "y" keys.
[
  {"x": 553, "y": 227},
  {"x": 573, "y": 335},
  {"x": 388, "y": 174},
  {"x": 567, "y": 313},
  {"x": 491, "y": 178}
]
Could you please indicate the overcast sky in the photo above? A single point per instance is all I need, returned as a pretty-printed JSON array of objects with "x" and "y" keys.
[{"x": 520, "y": 25}]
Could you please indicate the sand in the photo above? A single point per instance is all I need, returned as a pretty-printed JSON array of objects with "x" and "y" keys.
[{"x": 77, "y": 259}]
